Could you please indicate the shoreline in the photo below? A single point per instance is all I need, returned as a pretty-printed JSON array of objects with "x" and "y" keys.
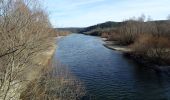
[
  {"x": 112, "y": 45},
  {"x": 146, "y": 63},
  {"x": 127, "y": 52},
  {"x": 42, "y": 61}
]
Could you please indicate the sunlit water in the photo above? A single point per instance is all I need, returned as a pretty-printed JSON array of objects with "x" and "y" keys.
[{"x": 106, "y": 74}]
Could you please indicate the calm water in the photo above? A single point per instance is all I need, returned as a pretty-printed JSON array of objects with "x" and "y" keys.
[{"x": 106, "y": 74}]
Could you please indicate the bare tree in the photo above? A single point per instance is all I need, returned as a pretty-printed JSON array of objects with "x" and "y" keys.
[
  {"x": 23, "y": 35},
  {"x": 129, "y": 31}
]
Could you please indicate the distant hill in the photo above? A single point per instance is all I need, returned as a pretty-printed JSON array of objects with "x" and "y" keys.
[
  {"x": 97, "y": 30},
  {"x": 89, "y": 29},
  {"x": 72, "y": 29},
  {"x": 108, "y": 24}
]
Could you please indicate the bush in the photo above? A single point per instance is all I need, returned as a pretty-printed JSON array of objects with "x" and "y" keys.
[
  {"x": 24, "y": 35},
  {"x": 54, "y": 84},
  {"x": 155, "y": 48}
]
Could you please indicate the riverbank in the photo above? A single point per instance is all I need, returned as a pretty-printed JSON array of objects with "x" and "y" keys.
[
  {"x": 128, "y": 52},
  {"x": 112, "y": 45},
  {"x": 146, "y": 62},
  {"x": 36, "y": 67},
  {"x": 42, "y": 61},
  {"x": 53, "y": 77}
]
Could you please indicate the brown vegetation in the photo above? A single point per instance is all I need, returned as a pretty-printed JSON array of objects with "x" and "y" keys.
[
  {"x": 63, "y": 33},
  {"x": 149, "y": 40},
  {"x": 25, "y": 36},
  {"x": 156, "y": 49},
  {"x": 55, "y": 84}
]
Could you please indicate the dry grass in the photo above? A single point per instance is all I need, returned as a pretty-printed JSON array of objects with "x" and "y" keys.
[
  {"x": 26, "y": 49},
  {"x": 55, "y": 84},
  {"x": 155, "y": 48}
]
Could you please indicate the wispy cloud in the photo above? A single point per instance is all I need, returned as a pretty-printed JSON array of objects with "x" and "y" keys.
[
  {"x": 67, "y": 13},
  {"x": 83, "y": 2}
]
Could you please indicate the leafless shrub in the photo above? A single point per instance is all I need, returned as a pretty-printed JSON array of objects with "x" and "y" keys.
[
  {"x": 111, "y": 34},
  {"x": 153, "y": 47},
  {"x": 23, "y": 36},
  {"x": 63, "y": 33},
  {"x": 130, "y": 29},
  {"x": 57, "y": 84}
]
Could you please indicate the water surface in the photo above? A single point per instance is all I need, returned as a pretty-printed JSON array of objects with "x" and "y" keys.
[{"x": 106, "y": 74}]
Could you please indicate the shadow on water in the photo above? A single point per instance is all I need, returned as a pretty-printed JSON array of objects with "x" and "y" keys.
[{"x": 107, "y": 74}]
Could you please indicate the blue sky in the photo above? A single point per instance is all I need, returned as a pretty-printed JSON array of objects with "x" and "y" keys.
[{"x": 82, "y": 13}]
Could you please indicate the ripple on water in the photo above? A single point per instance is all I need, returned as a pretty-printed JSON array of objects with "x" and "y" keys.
[{"x": 106, "y": 74}]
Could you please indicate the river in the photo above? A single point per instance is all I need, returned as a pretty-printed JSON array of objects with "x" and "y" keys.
[{"x": 107, "y": 74}]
